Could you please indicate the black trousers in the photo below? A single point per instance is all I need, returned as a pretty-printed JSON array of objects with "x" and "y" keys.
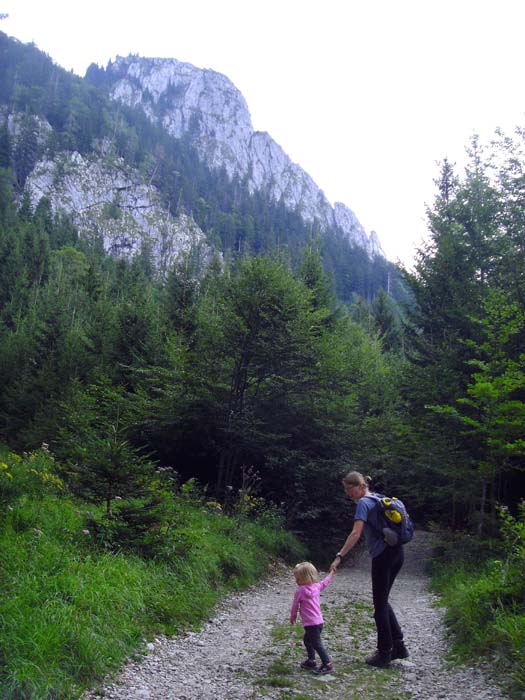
[
  {"x": 313, "y": 643},
  {"x": 385, "y": 568}
]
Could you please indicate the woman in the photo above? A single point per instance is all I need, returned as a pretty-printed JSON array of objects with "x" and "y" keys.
[{"x": 386, "y": 564}]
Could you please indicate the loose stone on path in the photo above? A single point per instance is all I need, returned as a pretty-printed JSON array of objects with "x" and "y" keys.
[{"x": 232, "y": 656}]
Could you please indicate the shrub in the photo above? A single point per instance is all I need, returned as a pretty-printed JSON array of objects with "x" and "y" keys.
[
  {"x": 485, "y": 596},
  {"x": 34, "y": 474},
  {"x": 76, "y": 603}
]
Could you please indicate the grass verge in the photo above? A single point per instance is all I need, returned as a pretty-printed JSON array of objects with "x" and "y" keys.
[
  {"x": 71, "y": 613},
  {"x": 482, "y": 587}
]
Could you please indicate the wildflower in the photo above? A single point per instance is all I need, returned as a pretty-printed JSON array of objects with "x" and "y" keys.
[
  {"x": 3, "y": 468},
  {"x": 214, "y": 505}
]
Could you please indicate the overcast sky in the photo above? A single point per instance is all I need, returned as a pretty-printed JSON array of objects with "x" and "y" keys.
[{"x": 365, "y": 95}]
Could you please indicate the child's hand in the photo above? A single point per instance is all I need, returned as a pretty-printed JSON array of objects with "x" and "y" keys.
[
  {"x": 292, "y": 621},
  {"x": 334, "y": 565}
]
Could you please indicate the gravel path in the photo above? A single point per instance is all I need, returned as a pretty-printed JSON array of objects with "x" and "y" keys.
[{"x": 249, "y": 651}]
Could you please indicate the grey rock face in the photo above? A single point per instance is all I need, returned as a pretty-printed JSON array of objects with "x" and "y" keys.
[
  {"x": 375, "y": 245},
  {"x": 207, "y": 106},
  {"x": 348, "y": 222},
  {"x": 183, "y": 99},
  {"x": 109, "y": 200}
]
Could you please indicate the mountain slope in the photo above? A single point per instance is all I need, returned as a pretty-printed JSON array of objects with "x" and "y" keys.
[
  {"x": 174, "y": 167},
  {"x": 206, "y": 106}
]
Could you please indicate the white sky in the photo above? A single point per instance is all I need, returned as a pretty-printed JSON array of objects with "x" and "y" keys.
[{"x": 365, "y": 95}]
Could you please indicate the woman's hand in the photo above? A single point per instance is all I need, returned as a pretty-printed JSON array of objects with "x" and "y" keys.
[{"x": 335, "y": 564}]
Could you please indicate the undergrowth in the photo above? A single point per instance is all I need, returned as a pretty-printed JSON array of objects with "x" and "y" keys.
[
  {"x": 72, "y": 608},
  {"x": 482, "y": 585}
]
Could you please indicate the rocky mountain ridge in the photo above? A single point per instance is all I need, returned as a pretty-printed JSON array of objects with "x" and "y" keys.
[
  {"x": 207, "y": 107},
  {"x": 158, "y": 158},
  {"x": 108, "y": 199}
]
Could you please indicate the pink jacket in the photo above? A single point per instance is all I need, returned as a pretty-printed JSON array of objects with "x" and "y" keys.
[{"x": 307, "y": 601}]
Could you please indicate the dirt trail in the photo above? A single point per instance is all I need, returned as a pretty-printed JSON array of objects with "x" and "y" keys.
[{"x": 249, "y": 651}]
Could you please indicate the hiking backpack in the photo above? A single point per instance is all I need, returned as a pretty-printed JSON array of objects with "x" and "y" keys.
[{"x": 398, "y": 527}]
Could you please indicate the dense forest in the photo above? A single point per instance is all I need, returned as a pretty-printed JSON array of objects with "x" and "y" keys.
[
  {"x": 254, "y": 365},
  {"x": 265, "y": 374},
  {"x": 259, "y": 363}
]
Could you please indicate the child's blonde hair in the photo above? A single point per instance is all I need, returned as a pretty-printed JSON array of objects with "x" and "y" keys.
[{"x": 305, "y": 572}]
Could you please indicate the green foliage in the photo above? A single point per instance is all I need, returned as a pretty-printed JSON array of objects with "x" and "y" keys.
[
  {"x": 513, "y": 571},
  {"x": 464, "y": 339},
  {"x": 483, "y": 589},
  {"x": 102, "y": 464},
  {"x": 386, "y": 321},
  {"x": 247, "y": 363},
  {"x": 72, "y": 611},
  {"x": 236, "y": 220},
  {"x": 33, "y": 475},
  {"x": 141, "y": 381}
]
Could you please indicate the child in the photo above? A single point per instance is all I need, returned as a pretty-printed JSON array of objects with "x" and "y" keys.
[{"x": 306, "y": 601}]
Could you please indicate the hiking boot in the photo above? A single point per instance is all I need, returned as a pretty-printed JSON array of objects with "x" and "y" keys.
[
  {"x": 399, "y": 650},
  {"x": 309, "y": 664},
  {"x": 381, "y": 659},
  {"x": 325, "y": 668}
]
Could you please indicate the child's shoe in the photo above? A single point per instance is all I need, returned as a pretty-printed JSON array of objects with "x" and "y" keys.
[
  {"x": 309, "y": 664},
  {"x": 325, "y": 668}
]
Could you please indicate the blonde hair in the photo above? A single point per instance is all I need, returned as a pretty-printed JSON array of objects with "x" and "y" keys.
[
  {"x": 305, "y": 572},
  {"x": 356, "y": 479}
]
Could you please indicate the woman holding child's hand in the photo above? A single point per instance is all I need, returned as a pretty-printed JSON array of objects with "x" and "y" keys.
[{"x": 386, "y": 564}]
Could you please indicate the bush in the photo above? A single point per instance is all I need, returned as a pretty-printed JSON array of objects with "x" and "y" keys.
[
  {"x": 33, "y": 475},
  {"x": 73, "y": 611},
  {"x": 484, "y": 593}
]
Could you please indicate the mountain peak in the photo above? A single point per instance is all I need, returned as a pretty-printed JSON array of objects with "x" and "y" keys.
[{"x": 207, "y": 107}]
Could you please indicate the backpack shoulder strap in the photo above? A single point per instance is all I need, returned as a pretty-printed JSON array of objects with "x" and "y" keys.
[
  {"x": 373, "y": 497},
  {"x": 377, "y": 500}
]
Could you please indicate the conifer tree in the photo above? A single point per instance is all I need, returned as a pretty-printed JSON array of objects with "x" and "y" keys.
[
  {"x": 386, "y": 321},
  {"x": 25, "y": 152}
]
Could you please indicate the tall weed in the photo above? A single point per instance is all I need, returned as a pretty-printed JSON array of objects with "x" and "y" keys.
[
  {"x": 485, "y": 597},
  {"x": 73, "y": 611}
]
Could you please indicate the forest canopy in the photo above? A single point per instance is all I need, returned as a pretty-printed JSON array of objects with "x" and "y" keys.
[{"x": 292, "y": 359}]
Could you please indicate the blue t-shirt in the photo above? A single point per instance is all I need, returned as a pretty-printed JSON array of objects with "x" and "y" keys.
[{"x": 366, "y": 510}]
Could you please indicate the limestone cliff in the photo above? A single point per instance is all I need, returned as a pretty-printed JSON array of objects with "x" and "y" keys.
[
  {"x": 107, "y": 199},
  {"x": 207, "y": 106}
]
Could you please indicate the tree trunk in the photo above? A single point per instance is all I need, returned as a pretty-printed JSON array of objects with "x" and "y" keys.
[{"x": 482, "y": 506}]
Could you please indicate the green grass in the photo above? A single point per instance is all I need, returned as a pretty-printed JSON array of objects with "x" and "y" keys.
[
  {"x": 484, "y": 597},
  {"x": 349, "y": 631},
  {"x": 71, "y": 612}
]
